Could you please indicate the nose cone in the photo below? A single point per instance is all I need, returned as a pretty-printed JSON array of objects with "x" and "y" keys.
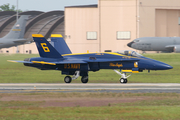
[
  {"x": 130, "y": 44},
  {"x": 162, "y": 66}
]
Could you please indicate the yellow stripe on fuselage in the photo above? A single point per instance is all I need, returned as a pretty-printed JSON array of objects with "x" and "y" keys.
[
  {"x": 56, "y": 35},
  {"x": 42, "y": 62},
  {"x": 111, "y": 53},
  {"x": 135, "y": 71},
  {"x": 37, "y": 35},
  {"x": 129, "y": 71}
]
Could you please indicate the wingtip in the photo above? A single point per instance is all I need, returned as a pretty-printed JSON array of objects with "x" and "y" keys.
[
  {"x": 56, "y": 35},
  {"x": 11, "y": 61},
  {"x": 37, "y": 35}
]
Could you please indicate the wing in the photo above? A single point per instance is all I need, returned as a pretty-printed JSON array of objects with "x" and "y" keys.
[
  {"x": 21, "y": 41},
  {"x": 18, "y": 61},
  {"x": 51, "y": 63}
]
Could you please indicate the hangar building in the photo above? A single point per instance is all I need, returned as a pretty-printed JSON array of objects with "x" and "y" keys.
[
  {"x": 38, "y": 23},
  {"x": 111, "y": 24},
  {"x": 108, "y": 26}
]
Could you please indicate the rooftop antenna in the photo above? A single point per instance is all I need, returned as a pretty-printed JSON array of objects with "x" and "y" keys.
[
  {"x": 17, "y": 12},
  {"x": 17, "y": 51}
]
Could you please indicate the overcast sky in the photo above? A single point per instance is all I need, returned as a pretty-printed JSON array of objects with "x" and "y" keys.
[{"x": 46, "y": 5}]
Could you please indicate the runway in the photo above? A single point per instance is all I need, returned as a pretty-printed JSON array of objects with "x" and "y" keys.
[{"x": 90, "y": 87}]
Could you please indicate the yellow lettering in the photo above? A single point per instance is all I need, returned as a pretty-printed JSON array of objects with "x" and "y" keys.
[
  {"x": 45, "y": 47},
  {"x": 72, "y": 66},
  {"x": 65, "y": 66},
  {"x": 115, "y": 65}
]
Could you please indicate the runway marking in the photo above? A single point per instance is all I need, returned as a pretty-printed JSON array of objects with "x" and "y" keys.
[{"x": 90, "y": 86}]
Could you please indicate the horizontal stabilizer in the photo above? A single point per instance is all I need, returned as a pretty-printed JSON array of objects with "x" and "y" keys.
[
  {"x": 50, "y": 63},
  {"x": 21, "y": 41},
  {"x": 17, "y": 61}
]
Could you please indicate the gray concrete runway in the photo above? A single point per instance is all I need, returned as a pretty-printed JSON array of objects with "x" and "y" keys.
[{"x": 90, "y": 87}]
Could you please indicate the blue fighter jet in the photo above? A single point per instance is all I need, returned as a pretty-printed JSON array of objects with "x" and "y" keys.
[{"x": 60, "y": 58}]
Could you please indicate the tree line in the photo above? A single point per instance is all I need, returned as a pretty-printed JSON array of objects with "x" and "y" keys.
[{"x": 7, "y": 7}]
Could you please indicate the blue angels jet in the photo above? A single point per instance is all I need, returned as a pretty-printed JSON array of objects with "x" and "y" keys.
[{"x": 61, "y": 58}]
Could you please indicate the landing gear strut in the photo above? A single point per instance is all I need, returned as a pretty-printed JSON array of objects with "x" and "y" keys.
[
  {"x": 84, "y": 78},
  {"x": 123, "y": 78}
]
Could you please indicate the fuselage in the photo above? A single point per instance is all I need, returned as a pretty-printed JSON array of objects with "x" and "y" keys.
[
  {"x": 97, "y": 61},
  {"x": 154, "y": 43}
]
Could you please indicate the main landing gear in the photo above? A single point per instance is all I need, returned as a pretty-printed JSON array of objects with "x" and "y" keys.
[
  {"x": 68, "y": 79},
  {"x": 123, "y": 78}
]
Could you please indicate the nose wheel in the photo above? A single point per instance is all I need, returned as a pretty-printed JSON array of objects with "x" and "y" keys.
[{"x": 122, "y": 80}]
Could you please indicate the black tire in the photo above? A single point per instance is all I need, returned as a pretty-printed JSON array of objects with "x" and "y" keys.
[
  {"x": 67, "y": 79},
  {"x": 125, "y": 80},
  {"x": 84, "y": 79},
  {"x": 121, "y": 80}
]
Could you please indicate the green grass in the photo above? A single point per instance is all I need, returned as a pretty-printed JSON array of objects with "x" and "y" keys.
[
  {"x": 18, "y": 73},
  {"x": 162, "y": 106},
  {"x": 96, "y": 113}
]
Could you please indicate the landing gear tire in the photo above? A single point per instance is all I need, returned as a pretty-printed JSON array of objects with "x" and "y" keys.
[
  {"x": 125, "y": 80},
  {"x": 67, "y": 79},
  {"x": 122, "y": 80},
  {"x": 84, "y": 79}
]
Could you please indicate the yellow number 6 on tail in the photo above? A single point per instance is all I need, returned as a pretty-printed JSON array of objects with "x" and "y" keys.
[{"x": 45, "y": 48}]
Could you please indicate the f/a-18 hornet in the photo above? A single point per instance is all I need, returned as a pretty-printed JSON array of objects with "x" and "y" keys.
[{"x": 61, "y": 58}]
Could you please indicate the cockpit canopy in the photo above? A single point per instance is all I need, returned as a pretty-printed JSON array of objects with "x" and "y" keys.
[
  {"x": 136, "y": 41},
  {"x": 129, "y": 53}
]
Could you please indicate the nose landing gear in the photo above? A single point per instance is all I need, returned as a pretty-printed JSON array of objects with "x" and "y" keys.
[{"x": 123, "y": 78}]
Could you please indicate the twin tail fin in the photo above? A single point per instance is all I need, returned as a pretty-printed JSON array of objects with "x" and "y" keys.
[
  {"x": 59, "y": 44},
  {"x": 45, "y": 49}
]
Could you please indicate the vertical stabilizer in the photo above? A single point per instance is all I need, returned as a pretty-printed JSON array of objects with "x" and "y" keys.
[
  {"x": 17, "y": 31},
  {"x": 59, "y": 44},
  {"x": 45, "y": 49}
]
